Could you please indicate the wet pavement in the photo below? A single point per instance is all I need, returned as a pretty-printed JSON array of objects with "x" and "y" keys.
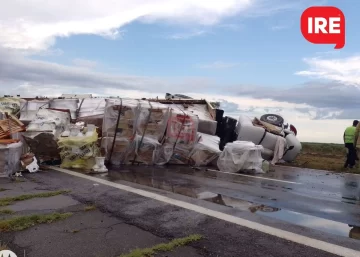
[
  {"x": 318, "y": 200},
  {"x": 134, "y": 197}
]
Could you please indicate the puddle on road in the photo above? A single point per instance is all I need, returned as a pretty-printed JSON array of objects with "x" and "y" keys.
[
  {"x": 300, "y": 219},
  {"x": 189, "y": 188}
]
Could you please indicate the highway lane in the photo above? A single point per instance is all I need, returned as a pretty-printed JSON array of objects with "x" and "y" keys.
[
  {"x": 316, "y": 193},
  {"x": 305, "y": 203}
]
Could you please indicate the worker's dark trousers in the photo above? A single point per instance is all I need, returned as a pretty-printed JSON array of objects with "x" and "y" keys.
[{"x": 351, "y": 156}]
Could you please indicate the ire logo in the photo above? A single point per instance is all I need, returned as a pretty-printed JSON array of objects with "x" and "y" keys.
[
  {"x": 7, "y": 253},
  {"x": 323, "y": 25}
]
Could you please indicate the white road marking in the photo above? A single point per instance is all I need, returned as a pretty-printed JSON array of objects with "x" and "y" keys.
[
  {"x": 258, "y": 177},
  {"x": 307, "y": 241}
]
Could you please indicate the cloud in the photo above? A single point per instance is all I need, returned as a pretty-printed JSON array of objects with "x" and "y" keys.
[
  {"x": 84, "y": 63},
  {"x": 28, "y": 77},
  {"x": 322, "y": 99},
  {"x": 187, "y": 35},
  {"x": 346, "y": 70},
  {"x": 326, "y": 99},
  {"x": 231, "y": 26},
  {"x": 271, "y": 7},
  {"x": 218, "y": 65},
  {"x": 280, "y": 27},
  {"x": 24, "y": 27},
  {"x": 17, "y": 69}
]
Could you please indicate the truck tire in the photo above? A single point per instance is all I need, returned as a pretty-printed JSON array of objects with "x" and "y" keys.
[{"x": 273, "y": 119}]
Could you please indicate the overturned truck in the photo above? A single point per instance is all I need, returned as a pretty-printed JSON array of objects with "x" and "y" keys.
[{"x": 174, "y": 130}]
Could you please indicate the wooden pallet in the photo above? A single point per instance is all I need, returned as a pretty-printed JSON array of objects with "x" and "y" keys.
[{"x": 10, "y": 125}]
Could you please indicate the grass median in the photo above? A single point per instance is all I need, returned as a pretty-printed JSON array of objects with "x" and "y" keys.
[
  {"x": 24, "y": 222},
  {"x": 10, "y": 200},
  {"x": 164, "y": 247}
]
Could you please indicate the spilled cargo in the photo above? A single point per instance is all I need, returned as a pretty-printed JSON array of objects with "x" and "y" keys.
[{"x": 80, "y": 132}]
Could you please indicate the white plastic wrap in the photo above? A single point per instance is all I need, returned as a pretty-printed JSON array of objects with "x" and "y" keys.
[
  {"x": 181, "y": 154},
  {"x": 10, "y": 158},
  {"x": 49, "y": 120},
  {"x": 241, "y": 155},
  {"x": 121, "y": 151},
  {"x": 206, "y": 150},
  {"x": 10, "y": 105},
  {"x": 206, "y": 123},
  {"x": 151, "y": 119},
  {"x": 163, "y": 154},
  {"x": 43, "y": 132},
  {"x": 91, "y": 107},
  {"x": 29, "y": 109},
  {"x": 70, "y": 104},
  {"x": 143, "y": 150},
  {"x": 91, "y": 111},
  {"x": 182, "y": 128},
  {"x": 129, "y": 109}
]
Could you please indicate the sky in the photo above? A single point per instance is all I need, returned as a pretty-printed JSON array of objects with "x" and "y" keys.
[{"x": 248, "y": 54}]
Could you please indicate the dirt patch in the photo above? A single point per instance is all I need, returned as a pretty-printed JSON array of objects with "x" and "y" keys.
[{"x": 319, "y": 156}]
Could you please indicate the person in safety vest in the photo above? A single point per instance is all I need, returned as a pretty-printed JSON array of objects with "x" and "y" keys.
[{"x": 349, "y": 140}]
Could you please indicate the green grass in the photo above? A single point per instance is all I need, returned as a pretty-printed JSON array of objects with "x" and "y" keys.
[
  {"x": 2, "y": 189},
  {"x": 90, "y": 208},
  {"x": 24, "y": 222},
  {"x": 164, "y": 247},
  {"x": 323, "y": 156},
  {"x": 6, "y": 211},
  {"x": 9, "y": 200},
  {"x": 330, "y": 149}
]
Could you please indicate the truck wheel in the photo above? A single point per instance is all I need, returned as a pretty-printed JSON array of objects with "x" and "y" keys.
[{"x": 273, "y": 119}]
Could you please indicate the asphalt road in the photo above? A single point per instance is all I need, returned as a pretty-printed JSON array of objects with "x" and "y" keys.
[{"x": 310, "y": 204}]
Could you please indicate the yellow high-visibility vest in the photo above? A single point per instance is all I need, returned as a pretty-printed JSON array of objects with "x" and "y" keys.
[{"x": 350, "y": 134}]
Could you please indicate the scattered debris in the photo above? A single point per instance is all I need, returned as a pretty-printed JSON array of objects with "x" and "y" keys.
[
  {"x": 43, "y": 132},
  {"x": 10, "y": 125},
  {"x": 100, "y": 165},
  {"x": 10, "y": 155},
  {"x": 24, "y": 222},
  {"x": 164, "y": 247}
]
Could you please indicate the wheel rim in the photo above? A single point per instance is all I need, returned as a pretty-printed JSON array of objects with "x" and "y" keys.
[{"x": 271, "y": 118}]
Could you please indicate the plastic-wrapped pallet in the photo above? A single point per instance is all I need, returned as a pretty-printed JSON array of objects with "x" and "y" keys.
[
  {"x": 143, "y": 150},
  {"x": 91, "y": 111},
  {"x": 207, "y": 124},
  {"x": 79, "y": 151},
  {"x": 241, "y": 155},
  {"x": 181, "y": 154},
  {"x": 151, "y": 119},
  {"x": 128, "y": 109},
  {"x": 121, "y": 151},
  {"x": 181, "y": 133},
  {"x": 66, "y": 104},
  {"x": 10, "y": 105},
  {"x": 124, "y": 111},
  {"x": 182, "y": 128},
  {"x": 42, "y": 133},
  {"x": 10, "y": 159},
  {"x": 206, "y": 150},
  {"x": 29, "y": 109}
]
